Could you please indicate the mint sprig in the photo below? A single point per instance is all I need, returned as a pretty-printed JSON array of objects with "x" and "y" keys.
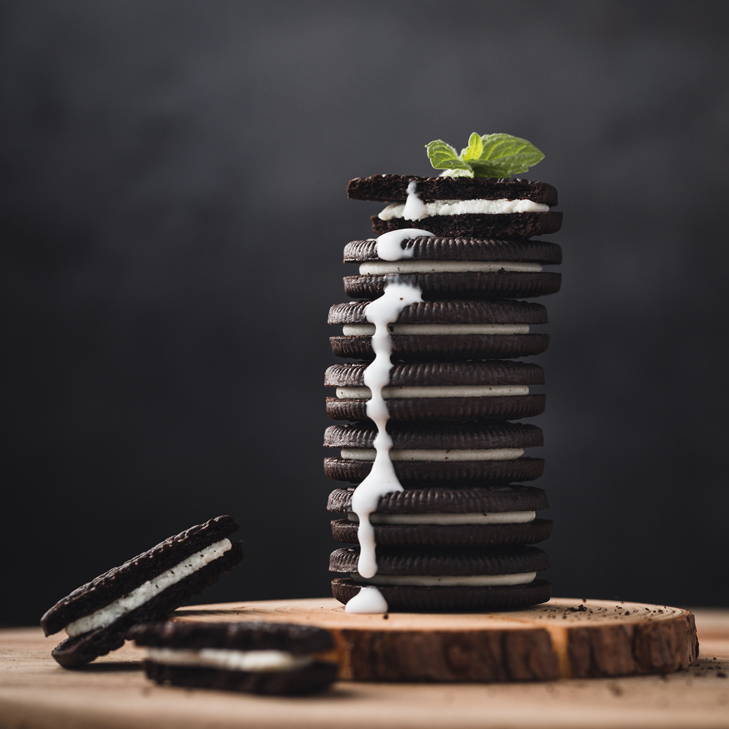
[{"x": 487, "y": 155}]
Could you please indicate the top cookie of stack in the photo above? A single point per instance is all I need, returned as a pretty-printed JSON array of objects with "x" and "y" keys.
[{"x": 466, "y": 244}]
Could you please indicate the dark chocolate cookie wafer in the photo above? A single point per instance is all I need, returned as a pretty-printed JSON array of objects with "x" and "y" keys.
[
  {"x": 453, "y": 579},
  {"x": 149, "y": 586},
  {"x": 446, "y": 454},
  {"x": 445, "y": 330},
  {"x": 393, "y": 188},
  {"x": 257, "y": 657},
  {"x": 427, "y": 517},
  {"x": 513, "y": 225},
  {"x": 494, "y": 390},
  {"x": 454, "y": 249}
]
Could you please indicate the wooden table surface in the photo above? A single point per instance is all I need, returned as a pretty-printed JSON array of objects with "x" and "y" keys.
[{"x": 35, "y": 693}]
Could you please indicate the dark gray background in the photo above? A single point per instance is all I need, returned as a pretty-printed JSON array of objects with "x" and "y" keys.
[{"x": 172, "y": 226}]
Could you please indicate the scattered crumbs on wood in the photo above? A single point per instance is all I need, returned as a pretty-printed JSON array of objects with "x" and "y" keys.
[{"x": 616, "y": 689}]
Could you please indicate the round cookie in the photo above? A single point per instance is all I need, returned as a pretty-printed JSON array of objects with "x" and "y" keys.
[
  {"x": 493, "y": 390},
  {"x": 458, "y": 267},
  {"x": 442, "y": 454},
  {"x": 445, "y": 330},
  {"x": 500, "y": 515},
  {"x": 393, "y": 188},
  {"x": 147, "y": 587},
  {"x": 453, "y": 579},
  {"x": 257, "y": 657}
]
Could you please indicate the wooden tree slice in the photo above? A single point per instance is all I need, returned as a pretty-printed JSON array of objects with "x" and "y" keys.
[{"x": 565, "y": 638}]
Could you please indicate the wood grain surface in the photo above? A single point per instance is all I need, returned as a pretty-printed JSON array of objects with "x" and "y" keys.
[
  {"x": 566, "y": 638},
  {"x": 35, "y": 693}
]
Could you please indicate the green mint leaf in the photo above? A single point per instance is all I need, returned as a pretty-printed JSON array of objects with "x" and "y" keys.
[
  {"x": 444, "y": 157},
  {"x": 504, "y": 155},
  {"x": 474, "y": 149},
  {"x": 457, "y": 173}
]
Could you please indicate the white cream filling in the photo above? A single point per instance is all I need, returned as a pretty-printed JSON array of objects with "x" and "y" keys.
[
  {"x": 500, "y": 206},
  {"x": 435, "y": 391},
  {"x": 377, "y": 268},
  {"x": 357, "y": 330},
  {"x": 501, "y": 517},
  {"x": 106, "y": 615},
  {"x": 232, "y": 660},
  {"x": 423, "y": 454},
  {"x": 520, "y": 578}
]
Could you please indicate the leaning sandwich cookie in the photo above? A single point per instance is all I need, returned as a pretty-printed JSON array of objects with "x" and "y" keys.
[
  {"x": 257, "y": 657},
  {"x": 97, "y": 615}
]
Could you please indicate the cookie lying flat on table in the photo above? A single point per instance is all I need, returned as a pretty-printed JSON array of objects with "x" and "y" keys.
[
  {"x": 461, "y": 206},
  {"x": 457, "y": 267},
  {"x": 447, "y": 579},
  {"x": 445, "y": 330},
  {"x": 472, "y": 453},
  {"x": 262, "y": 658},
  {"x": 493, "y": 390},
  {"x": 151, "y": 585},
  {"x": 461, "y": 517}
]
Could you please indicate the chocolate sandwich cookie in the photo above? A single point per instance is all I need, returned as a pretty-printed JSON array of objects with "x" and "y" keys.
[
  {"x": 452, "y": 579},
  {"x": 493, "y": 390},
  {"x": 445, "y": 330},
  {"x": 462, "y": 206},
  {"x": 97, "y": 615},
  {"x": 457, "y": 267},
  {"x": 257, "y": 657},
  {"x": 439, "y": 454},
  {"x": 466, "y": 517}
]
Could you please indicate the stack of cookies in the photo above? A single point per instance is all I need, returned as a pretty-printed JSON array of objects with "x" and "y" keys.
[{"x": 453, "y": 524}]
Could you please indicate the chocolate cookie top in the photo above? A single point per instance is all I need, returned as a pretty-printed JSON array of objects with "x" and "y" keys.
[
  {"x": 449, "y": 436},
  {"x": 513, "y": 497},
  {"x": 437, "y": 248},
  {"x": 246, "y": 636},
  {"x": 393, "y": 188},
  {"x": 123, "y": 579},
  {"x": 494, "y": 561},
  {"x": 493, "y": 372},
  {"x": 448, "y": 312}
]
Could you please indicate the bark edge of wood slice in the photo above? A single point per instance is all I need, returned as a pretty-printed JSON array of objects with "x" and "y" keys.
[{"x": 564, "y": 638}]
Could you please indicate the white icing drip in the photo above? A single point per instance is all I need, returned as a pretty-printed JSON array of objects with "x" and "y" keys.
[
  {"x": 382, "y": 478},
  {"x": 367, "y": 600},
  {"x": 389, "y": 245},
  {"x": 414, "y": 207}
]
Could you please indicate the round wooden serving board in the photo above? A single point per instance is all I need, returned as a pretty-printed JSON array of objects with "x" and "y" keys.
[{"x": 565, "y": 638}]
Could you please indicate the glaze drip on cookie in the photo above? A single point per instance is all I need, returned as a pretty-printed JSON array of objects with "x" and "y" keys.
[{"x": 382, "y": 478}]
